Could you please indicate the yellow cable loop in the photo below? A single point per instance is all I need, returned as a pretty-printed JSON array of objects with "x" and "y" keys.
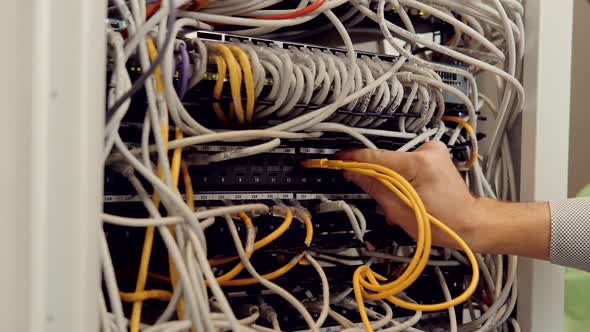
[
  {"x": 416, "y": 266},
  {"x": 248, "y": 80},
  {"x": 471, "y": 133},
  {"x": 279, "y": 272},
  {"x": 218, "y": 88},
  {"x": 152, "y": 294},
  {"x": 149, "y": 237},
  {"x": 146, "y": 251},
  {"x": 269, "y": 276},
  {"x": 408, "y": 195},
  {"x": 148, "y": 240},
  {"x": 239, "y": 267},
  {"x": 235, "y": 80},
  {"x": 263, "y": 242},
  {"x": 308, "y": 230}
]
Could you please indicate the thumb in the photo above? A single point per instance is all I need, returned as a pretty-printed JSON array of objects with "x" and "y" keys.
[{"x": 404, "y": 163}]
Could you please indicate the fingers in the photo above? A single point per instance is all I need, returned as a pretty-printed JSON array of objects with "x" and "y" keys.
[
  {"x": 396, "y": 212},
  {"x": 381, "y": 194},
  {"x": 434, "y": 146},
  {"x": 403, "y": 163},
  {"x": 369, "y": 185}
]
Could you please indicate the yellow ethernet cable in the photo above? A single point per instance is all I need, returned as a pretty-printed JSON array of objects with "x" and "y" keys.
[
  {"x": 248, "y": 80},
  {"x": 472, "y": 136},
  {"x": 262, "y": 242},
  {"x": 218, "y": 88},
  {"x": 153, "y": 54},
  {"x": 148, "y": 241},
  {"x": 175, "y": 170},
  {"x": 282, "y": 270},
  {"x": 239, "y": 267},
  {"x": 269, "y": 276},
  {"x": 366, "y": 283},
  {"x": 308, "y": 230},
  {"x": 235, "y": 80},
  {"x": 152, "y": 294}
]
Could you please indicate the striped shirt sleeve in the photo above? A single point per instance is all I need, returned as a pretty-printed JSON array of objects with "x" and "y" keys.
[{"x": 570, "y": 233}]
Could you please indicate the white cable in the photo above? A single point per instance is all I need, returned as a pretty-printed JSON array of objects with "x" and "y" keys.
[
  {"x": 171, "y": 220},
  {"x": 400, "y": 259},
  {"x": 105, "y": 322},
  {"x": 171, "y": 307},
  {"x": 310, "y": 119},
  {"x": 336, "y": 127},
  {"x": 382, "y": 320},
  {"x": 228, "y": 136},
  {"x": 407, "y": 325},
  {"x": 418, "y": 140},
  {"x": 193, "y": 302},
  {"x": 333, "y": 206},
  {"x": 166, "y": 192},
  {"x": 447, "y": 294},
  {"x": 266, "y": 283},
  {"x": 361, "y": 218},
  {"x": 110, "y": 281},
  {"x": 260, "y": 23},
  {"x": 325, "y": 291},
  {"x": 385, "y": 133},
  {"x": 441, "y": 49},
  {"x": 244, "y": 152},
  {"x": 511, "y": 276},
  {"x": 170, "y": 326}
]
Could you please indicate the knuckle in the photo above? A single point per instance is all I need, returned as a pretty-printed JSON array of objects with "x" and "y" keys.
[
  {"x": 362, "y": 155},
  {"x": 426, "y": 162},
  {"x": 422, "y": 159},
  {"x": 435, "y": 146}
]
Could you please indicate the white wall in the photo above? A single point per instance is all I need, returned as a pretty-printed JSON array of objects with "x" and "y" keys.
[
  {"x": 15, "y": 93},
  {"x": 52, "y": 92},
  {"x": 579, "y": 166}
]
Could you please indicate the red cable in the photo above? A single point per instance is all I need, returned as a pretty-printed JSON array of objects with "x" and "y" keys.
[
  {"x": 152, "y": 8},
  {"x": 298, "y": 13}
]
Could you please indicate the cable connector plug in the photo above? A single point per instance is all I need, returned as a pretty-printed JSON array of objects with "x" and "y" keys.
[
  {"x": 348, "y": 303},
  {"x": 267, "y": 312},
  {"x": 315, "y": 163},
  {"x": 122, "y": 168},
  {"x": 303, "y": 215},
  {"x": 280, "y": 210},
  {"x": 404, "y": 77}
]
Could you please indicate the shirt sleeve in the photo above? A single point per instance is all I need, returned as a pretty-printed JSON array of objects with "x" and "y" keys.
[{"x": 570, "y": 233}]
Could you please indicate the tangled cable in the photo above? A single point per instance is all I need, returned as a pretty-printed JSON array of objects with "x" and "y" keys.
[{"x": 262, "y": 96}]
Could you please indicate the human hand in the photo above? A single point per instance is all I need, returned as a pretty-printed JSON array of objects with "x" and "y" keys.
[{"x": 432, "y": 173}]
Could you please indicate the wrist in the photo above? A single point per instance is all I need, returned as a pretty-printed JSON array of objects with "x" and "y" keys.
[
  {"x": 510, "y": 228},
  {"x": 484, "y": 227}
]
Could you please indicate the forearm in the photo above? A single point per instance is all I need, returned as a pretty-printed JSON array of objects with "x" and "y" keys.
[
  {"x": 558, "y": 231},
  {"x": 522, "y": 229}
]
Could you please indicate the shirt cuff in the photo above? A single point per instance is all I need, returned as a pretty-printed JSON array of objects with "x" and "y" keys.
[{"x": 570, "y": 233}]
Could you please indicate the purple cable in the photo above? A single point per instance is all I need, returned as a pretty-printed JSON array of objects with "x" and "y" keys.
[{"x": 184, "y": 71}]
